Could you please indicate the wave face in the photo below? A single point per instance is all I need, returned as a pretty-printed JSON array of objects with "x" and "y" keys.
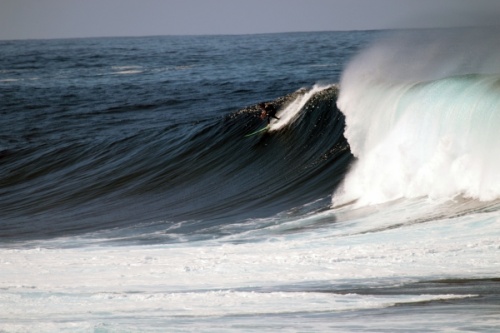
[
  {"x": 425, "y": 128},
  {"x": 218, "y": 174},
  {"x": 177, "y": 176}
]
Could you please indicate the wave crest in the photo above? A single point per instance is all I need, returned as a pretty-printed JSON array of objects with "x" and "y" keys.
[{"x": 427, "y": 129}]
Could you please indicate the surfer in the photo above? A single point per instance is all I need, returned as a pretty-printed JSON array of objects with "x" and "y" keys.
[{"x": 269, "y": 111}]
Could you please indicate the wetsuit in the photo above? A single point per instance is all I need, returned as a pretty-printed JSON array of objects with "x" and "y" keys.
[{"x": 271, "y": 112}]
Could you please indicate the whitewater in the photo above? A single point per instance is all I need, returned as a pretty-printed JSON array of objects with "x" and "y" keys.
[
  {"x": 131, "y": 200},
  {"x": 431, "y": 123}
]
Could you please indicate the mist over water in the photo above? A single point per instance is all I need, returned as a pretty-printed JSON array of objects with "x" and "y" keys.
[{"x": 422, "y": 115}]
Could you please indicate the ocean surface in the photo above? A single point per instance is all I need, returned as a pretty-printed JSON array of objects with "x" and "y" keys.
[{"x": 132, "y": 199}]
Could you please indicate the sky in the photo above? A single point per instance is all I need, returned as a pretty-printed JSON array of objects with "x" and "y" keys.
[{"x": 41, "y": 19}]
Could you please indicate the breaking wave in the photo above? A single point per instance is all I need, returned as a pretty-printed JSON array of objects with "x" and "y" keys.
[{"x": 429, "y": 127}]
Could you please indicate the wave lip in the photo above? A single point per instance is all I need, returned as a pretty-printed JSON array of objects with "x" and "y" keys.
[
  {"x": 291, "y": 112},
  {"x": 428, "y": 132}
]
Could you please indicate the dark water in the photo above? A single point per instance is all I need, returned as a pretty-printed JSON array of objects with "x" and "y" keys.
[{"x": 120, "y": 133}]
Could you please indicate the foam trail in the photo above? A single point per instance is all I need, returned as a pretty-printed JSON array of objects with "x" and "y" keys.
[
  {"x": 423, "y": 117},
  {"x": 291, "y": 112}
]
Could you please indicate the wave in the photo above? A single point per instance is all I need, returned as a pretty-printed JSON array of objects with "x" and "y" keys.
[
  {"x": 193, "y": 176},
  {"x": 222, "y": 177},
  {"x": 422, "y": 118}
]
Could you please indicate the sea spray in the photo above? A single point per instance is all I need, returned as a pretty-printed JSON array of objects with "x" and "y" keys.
[
  {"x": 422, "y": 117},
  {"x": 291, "y": 112}
]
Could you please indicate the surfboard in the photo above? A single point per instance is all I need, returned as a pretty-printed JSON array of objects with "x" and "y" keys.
[{"x": 257, "y": 131}]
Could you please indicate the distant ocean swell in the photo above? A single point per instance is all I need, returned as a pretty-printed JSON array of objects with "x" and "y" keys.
[{"x": 200, "y": 171}]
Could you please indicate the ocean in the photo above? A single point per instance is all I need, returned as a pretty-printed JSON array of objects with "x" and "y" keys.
[{"x": 133, "y": 200}]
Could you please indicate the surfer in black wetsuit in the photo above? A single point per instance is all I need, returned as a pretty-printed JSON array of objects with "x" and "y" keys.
[{"x": 269, "y": 111}]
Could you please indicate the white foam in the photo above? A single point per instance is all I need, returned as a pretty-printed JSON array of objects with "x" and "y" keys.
[
  {"x": 53, "y": 312},
  {"x": 86, "y": 286},
  {"x": 291, "y": 112},
  {"x": 421, "y": 119},
  {"x": 127, "y": 70}
]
